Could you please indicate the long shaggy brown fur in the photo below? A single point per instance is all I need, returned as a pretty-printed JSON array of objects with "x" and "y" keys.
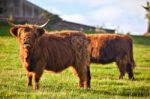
[
  {"x": 40, "y": 50},
  {"x": 107, "y": 48}
]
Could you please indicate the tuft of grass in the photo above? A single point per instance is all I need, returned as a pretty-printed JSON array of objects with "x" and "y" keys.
[{"x": 104, "y": 83}]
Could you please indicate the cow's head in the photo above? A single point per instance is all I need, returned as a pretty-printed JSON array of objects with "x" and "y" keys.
[{"x": 26, "y": 34}]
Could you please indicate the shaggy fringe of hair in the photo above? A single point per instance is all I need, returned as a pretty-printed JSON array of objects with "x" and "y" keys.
[{"x": 80, "y": 47}]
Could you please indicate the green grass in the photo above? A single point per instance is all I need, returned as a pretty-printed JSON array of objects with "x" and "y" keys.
[{"x": 104, "y": 83}]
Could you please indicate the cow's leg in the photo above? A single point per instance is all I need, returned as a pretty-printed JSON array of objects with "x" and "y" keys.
[
  {"x": 37, "y": 75},
  {"x": 29, "y": 77},
  {"x": 84, "y": 76},
  {"x": 129, "y": 70},
  {"x": 122, "y": 68},
  {"x": 76, "y": 70},
  {"x": 88, "y": 76}
]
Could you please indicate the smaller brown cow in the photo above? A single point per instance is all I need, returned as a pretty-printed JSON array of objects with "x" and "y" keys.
[
  {"x": 107, "y": 48},
  {"x": 40, "y": 50}
]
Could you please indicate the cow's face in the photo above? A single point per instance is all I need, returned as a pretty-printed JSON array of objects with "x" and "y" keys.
[{"x": 26, "y": 34}]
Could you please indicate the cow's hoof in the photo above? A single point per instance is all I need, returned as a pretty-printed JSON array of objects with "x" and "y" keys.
[
  {"x": 29, "y": 84},
  {"x": 132, "y": 79},
  {"x": 120, "y": 77},
  {"x": 80, "y": 86},
  {"x": 86, "y": 85},
  {"x": 35, "y": 87}
]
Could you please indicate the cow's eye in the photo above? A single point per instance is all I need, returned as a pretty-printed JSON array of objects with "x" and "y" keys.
[{"x": 27, "y": 29}]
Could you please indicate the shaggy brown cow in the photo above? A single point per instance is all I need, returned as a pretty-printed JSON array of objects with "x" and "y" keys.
[
  {"x": 40, "y": 50},
  {"x": 107, "y": 48}
]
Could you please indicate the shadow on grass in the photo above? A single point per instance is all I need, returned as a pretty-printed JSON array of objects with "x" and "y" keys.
[
  {"x": 142, "y": 79},
  {"x": 142, "y": 40},
  {"x": 4, "y": 29}
]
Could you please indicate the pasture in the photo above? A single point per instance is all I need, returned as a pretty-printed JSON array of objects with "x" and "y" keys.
[{"x": 104, "y": 82}]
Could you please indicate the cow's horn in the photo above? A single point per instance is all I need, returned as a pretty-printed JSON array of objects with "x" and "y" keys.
[
  {"x": 44, "y": 24},
  {"x": 11, "y": 24}
]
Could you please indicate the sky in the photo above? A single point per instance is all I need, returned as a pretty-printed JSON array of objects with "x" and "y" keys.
[{"x": 123, "y": 15}]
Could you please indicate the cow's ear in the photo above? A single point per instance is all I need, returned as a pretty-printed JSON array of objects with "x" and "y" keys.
[
  {"x": 14, "y": 31},
  {"x": 40, "y": 31}
]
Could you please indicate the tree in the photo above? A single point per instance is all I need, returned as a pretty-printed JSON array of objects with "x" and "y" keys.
[{"x": 147, "y": 8}]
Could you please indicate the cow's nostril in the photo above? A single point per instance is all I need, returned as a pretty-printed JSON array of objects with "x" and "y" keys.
[{"x": 26, "y": 42}]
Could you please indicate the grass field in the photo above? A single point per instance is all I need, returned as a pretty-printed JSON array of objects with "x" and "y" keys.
[{"x": 104, "y": 83}]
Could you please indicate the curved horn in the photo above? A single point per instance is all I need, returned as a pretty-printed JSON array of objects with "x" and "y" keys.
[
  {"x": 11, "y": 24},
  {"x": 44, "y": 24}
]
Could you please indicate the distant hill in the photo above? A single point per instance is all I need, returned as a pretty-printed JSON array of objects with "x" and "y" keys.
[{"x": 64, "y": 25}]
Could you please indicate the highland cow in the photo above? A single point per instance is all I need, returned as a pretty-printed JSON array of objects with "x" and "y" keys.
[
  {"x": 40, "y": 50},
  {"x": 107, "y": 48}
]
